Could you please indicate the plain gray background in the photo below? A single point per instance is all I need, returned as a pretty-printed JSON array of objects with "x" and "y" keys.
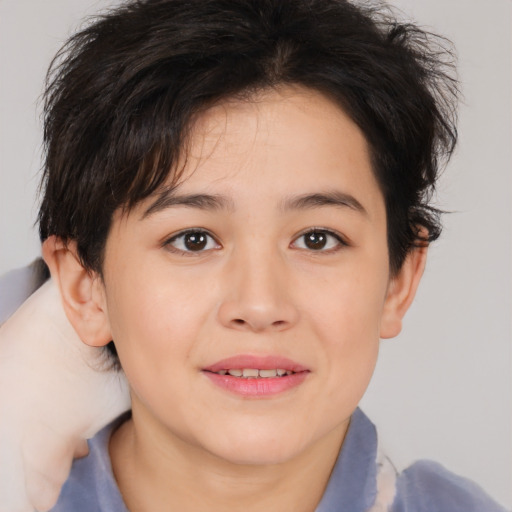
[{"x": 442, "y": 389}]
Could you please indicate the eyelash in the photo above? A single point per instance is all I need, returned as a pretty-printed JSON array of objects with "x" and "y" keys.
[
  {"x": 181, "y": 235},
  {"x": 340, "y": 241}
]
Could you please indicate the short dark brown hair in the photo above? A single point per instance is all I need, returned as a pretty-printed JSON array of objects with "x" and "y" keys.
[{"x": 122, "y": 93}]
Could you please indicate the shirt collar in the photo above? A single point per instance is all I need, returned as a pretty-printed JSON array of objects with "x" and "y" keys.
[{"x": 353, "y": 482}]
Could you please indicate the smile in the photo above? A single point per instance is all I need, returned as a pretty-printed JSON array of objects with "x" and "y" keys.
[
  {"x": 250, "y": 376},
  {"x": 254, "y": 373}
]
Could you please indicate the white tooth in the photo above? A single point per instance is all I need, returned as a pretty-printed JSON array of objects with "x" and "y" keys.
[
  {"x": 235, "y": 373},
  {"x": 222, "y": 372},
  {"x": 280, "y": 372},
  {"x": 250, "y": 372},
  {"x": 268, "y": 373},
  {"x": 289, "y": 372}
]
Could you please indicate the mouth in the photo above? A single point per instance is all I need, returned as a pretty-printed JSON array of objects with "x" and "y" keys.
[
  {"x": 255, "y": 376},
  {"x": 255, "y": 373}
]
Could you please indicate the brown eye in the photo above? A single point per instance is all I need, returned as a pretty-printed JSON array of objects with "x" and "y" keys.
[
  {"x": 315, "y": 240},
  {"x": 191, "y": 241},
  {"x": 320, "y": 241},
  {"x": 195, "y": 241}
]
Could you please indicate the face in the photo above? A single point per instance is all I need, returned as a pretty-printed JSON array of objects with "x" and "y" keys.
[{"x": 268, "y": 260}]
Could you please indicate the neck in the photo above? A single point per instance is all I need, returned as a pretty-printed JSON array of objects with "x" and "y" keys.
[{"x": 157, "y": 471}]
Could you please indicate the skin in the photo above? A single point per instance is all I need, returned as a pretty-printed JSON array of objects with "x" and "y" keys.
[{"x": 256, "y": 288}]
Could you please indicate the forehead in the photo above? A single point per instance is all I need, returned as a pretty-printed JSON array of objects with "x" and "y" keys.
[
  {"x": 291, "y": 122},
  {"x": 285, "y": 141}
]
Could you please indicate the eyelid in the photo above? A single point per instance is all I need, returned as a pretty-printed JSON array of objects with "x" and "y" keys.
[
  {"x": 342, "y": 240},
  {"x": 167, "y": 243}
]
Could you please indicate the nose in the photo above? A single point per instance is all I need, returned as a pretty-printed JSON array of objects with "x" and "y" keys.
[{"x": 258, "y": 294}]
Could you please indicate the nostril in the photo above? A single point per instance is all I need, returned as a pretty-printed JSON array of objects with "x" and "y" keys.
[{"x": 239, "y": 321}]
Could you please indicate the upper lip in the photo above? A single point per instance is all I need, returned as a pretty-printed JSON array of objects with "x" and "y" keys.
[{"x": 268, "y": 362}]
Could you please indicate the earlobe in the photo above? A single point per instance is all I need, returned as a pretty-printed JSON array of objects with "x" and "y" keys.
[
  {"x": 82, "y": 292},
  {"x": 401, "y": 291}
]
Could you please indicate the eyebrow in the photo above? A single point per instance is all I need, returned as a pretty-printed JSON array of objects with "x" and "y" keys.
[
  {"x": 216, "y": 202},
  {"x": 208, "y": 202},
  {"x": 328, "y": 198}
]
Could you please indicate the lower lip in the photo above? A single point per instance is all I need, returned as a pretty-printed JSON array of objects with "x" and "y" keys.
[{"x": 257, "y": 387}]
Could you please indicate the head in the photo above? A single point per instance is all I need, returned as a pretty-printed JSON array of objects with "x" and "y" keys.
[
  {"x": 123, "y": 94},
  {"x": 265, "y": 118}
]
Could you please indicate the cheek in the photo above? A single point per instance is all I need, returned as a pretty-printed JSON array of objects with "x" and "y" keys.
[
  {"x": 346, "y": 319},
  {"x": 348, "y": 306},
  {"x": 151, "y": 303},
  {"x": 154, "y": 320}
]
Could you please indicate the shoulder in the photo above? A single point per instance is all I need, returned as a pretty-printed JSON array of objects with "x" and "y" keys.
[
  {"x": 427, "y": 486},
  {"x": 91, "y": 486}
]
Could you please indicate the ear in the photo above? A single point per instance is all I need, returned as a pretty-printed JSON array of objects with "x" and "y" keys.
[
  {"x": 401, "y": 291},
  {"x": 82, "y": 292}
]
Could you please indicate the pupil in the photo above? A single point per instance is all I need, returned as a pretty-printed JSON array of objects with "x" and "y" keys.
[
  {"x": 195, "y": 241},
  {"x": 316, "y": 240}
]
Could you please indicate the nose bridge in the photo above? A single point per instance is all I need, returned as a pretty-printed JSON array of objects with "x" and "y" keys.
[
  {"x": 260, "y": 270},
  {"x": 257, "y": 295}
]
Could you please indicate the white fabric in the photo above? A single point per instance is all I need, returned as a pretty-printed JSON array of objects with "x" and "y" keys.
[
  {"x": 386, "y": 484},
  {"x": 52, "y": 398}
]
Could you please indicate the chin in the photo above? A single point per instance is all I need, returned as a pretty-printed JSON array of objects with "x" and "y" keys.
[{"x": 260, "y": 450}]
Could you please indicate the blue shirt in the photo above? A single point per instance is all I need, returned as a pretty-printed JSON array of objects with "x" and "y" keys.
[{"x": 354, "y": 484}]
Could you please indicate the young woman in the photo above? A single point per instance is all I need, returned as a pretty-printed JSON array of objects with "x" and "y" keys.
[{"x": 236, "y": 204}]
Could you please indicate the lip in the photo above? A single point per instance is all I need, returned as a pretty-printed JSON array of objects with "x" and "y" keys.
[
  {"x": 261, "y": 362},
  {"x": 256, "y": 387}
]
